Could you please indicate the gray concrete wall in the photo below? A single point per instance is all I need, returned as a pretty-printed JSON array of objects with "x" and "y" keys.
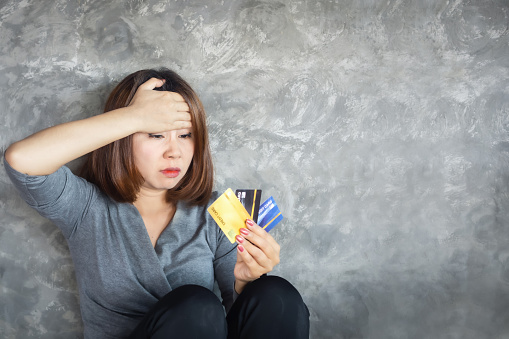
[{"x": 380, "y": 127}]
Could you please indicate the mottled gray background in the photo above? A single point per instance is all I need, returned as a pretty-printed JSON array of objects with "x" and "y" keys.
[{"x": 380, "y": 127}]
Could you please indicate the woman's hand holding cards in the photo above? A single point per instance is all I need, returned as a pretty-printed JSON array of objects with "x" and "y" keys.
[{"x": 257, "y": 254}]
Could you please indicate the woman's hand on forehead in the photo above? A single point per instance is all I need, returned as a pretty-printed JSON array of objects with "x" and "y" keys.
[{"x": 156, "y": 111}]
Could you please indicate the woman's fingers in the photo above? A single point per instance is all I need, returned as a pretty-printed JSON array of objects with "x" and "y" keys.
[
  {"x": 160, "y": 111},
  {"x": 176, "y": 96},
  {"x": 177, "y": 125},
  {"x": 152, "y": 83},
  {"x": 260, "y": 245},
  {"x": 259, "y": 236},
  {"x": 260, "y": 250},
  {"x": 247, "y": 268},
  {"x": 180, "y": 106},
  {"x": 257, "y": 254}
]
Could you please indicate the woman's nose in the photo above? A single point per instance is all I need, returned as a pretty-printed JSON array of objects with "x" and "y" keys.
[{"x": 172, "y": 148}]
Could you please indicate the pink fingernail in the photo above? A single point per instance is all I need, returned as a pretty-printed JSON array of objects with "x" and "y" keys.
[
  {"x": 240, "y": 248},
  {"x": 244, "y": 231},
  {"x": 239, "y": 239},
  {"x": 249, "y": 222}
]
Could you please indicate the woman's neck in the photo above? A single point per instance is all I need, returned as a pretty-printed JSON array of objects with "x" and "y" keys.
[
  {"x": 156, "y": 213},
  {"x": 152, "y": 203}
]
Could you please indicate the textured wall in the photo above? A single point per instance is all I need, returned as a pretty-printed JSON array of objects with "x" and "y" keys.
[{"x": 380, "y": 127}]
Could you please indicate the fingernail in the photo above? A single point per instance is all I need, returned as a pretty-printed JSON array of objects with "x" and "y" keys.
[
  {"x": 244, "y": 231},
  {"x": 249, "y": 222},
  {"x": 239, "y": 239},
  {"x": 240, "y": 248}
]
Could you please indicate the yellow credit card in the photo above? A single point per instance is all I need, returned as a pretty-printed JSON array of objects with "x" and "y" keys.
[{"x": 229, "y": 214}]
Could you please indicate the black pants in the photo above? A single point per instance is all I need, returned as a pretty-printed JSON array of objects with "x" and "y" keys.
[{"x": 269, "y": 307}]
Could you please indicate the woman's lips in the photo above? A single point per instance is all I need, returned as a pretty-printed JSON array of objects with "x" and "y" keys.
[{"x": 171, "y": 172}]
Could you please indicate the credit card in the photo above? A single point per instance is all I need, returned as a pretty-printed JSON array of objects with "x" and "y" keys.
[
  {"x": 229, "y": 214},
  {"x": 269, "y": 214},
  {"x": 250, "y": 199}
]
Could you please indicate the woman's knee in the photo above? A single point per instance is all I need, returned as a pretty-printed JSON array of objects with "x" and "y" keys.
[
  {"x": 195, "y": 300},
  {"x": 273, "y": 302},
  {"x": 196, "y": 309},
  {"x": 273, "y": 286},
  {"x": 276, "y": 293},
  {"x": 188, "y": 311}
]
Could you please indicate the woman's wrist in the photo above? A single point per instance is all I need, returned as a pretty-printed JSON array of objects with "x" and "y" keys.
[
  {"x": 130, "y": 118},
  {"x": 239, "y": 285}
]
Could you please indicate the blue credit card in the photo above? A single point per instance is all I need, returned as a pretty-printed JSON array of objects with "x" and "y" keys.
[{"x": 269, "y": 214}]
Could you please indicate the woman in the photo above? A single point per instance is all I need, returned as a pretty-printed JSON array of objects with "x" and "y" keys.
[{"x": 146, "y": 252}]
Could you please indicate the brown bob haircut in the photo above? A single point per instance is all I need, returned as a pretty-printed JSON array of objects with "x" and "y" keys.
[{"x": 112, "y": 167}]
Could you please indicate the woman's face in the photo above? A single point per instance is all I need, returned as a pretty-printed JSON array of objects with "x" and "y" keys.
[{"x": 162, "y": 159}]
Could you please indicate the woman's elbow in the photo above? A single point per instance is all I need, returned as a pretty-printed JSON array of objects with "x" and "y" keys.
[{"x": 13, "y": 157}]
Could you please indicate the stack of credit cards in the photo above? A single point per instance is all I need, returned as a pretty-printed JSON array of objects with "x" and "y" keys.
[{"x": 231, "y": 211}]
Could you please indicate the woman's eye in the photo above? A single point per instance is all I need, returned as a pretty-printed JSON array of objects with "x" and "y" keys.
[
  {"x": 155, "y": 136},
  {"x": 184, "y": 136}
]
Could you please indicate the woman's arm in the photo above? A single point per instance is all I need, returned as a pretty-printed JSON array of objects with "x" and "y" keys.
[{"x": 150, "y": 111}]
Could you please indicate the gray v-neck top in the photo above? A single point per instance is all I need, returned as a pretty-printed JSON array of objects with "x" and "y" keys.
[{"x": 120, "y": 274}]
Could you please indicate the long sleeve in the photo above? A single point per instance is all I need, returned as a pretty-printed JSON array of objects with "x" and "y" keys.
[{"x": 62, "y": 197}]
